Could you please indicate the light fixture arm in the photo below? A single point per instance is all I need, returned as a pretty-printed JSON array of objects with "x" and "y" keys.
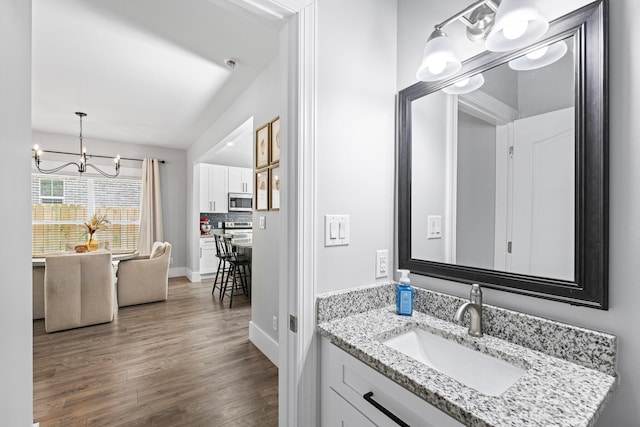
[
  {"x": 460, "y": 16},
  {"x": 36, "y": 157}
]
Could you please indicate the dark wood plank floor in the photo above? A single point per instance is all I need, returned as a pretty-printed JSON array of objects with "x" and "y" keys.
[{"x": 184, "y": 362}]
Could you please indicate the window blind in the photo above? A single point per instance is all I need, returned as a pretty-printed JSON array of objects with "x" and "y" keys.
[{"x": 62, "y": 204}]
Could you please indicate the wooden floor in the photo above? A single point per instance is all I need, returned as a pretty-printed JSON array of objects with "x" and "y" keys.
[{"x": 184, "y": 362}]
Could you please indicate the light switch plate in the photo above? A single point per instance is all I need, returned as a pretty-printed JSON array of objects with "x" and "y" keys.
[
  {"x": 336, "y": 230},
  {"x": 434, "y": 227},
  {"x": 263, "y": 222}
]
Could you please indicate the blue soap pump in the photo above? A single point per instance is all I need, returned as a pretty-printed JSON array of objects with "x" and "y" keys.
[{"x": 404, "y": 295}]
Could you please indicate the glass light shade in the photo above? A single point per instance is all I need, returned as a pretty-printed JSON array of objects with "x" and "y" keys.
[
  {"x": 518, "y": 24},
  {"x": 539, "y": 58},
  {"x": 438, "y": 59},
  {"x": 465, "y": 86}
]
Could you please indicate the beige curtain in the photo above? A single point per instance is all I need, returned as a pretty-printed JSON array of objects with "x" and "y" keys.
[{"x": 151, "y": 211}]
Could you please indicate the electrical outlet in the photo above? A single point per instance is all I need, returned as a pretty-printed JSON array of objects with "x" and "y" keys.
[
  {"x": 171, "y": 261},
  {"x": 275, "y": 323},
  {"x": 382, "y": 263}
]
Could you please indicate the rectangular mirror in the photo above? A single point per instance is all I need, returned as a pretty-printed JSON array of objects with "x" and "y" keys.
[{"x": 502, "y": 168}]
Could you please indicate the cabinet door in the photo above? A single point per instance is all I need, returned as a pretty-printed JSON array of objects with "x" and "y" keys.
[
  {"x": 208, "y": 258},
  {"x": 248, "y": 180},
  {"x": 218, "y": 188},
  {"x": 236, "y": 183},
  {"x": 240, "y": 180},
  {"x": 206, "y": 204},
  {"x": 337, "y": 412}
]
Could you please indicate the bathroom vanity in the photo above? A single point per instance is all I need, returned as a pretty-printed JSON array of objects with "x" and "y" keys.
[{"x": 551, "y": 373}]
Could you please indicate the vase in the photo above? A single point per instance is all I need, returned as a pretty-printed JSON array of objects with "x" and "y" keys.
[{"x": 92, "y": 244}]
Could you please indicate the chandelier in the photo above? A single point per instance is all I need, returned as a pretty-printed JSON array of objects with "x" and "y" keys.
[{"x": 82, "y": 165}]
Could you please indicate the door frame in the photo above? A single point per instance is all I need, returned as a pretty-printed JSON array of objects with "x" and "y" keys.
[{"x": 298, "y": 355}]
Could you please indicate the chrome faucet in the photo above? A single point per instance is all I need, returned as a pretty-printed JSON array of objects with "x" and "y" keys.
[{"x": 474, "y": 307}]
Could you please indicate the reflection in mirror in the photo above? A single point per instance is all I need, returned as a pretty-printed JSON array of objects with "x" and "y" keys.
[{"x": 493, "y": 168}]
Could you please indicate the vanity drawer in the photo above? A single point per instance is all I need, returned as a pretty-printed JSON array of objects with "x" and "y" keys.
[
  {"x": 352, "y": 380},
  {"x": 338, "y": 412}
]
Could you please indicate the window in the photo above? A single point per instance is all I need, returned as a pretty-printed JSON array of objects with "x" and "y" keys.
[
  {"x": 51, "y": 191},
  {"x": 62, "y": 204}
]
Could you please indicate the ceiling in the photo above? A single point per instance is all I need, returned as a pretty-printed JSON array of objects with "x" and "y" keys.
[{"x": 146, "y": 71}]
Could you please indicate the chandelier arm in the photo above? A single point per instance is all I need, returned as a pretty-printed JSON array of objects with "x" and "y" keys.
[
  {"x": 104, "y": 173},
  {"x": 54, "y": 170}
]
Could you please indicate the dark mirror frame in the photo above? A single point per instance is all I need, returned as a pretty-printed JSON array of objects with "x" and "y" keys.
[{"x": 589, "y": 25}]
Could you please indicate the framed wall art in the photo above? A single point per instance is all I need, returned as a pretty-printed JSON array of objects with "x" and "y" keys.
[
  {"x": 274, "y": 140},
  {"x": 262, "y": 190},
  {"x": 262, "y": 146},
  {"x": 274, "y": 188}
]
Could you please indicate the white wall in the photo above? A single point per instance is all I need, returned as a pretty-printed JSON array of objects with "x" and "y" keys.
[
  {"x": 173, "y": 180},
  {"x": 356, "y": 48},
  {"x": 16, "y": 373},
  {"x": 624, "y": 202},
  {"x": 262, "y": 101}
]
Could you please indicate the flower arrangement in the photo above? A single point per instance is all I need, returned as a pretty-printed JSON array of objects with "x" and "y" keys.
[{"x": 97, "y": 223}]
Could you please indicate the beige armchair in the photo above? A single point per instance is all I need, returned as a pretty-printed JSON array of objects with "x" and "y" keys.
[
  {"x": 37, "y": 284},
  {"x": 78, "y": 290},
  {"x": 145, "y": 278}
]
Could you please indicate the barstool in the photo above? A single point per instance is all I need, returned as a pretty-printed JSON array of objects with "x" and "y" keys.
[
  {"x": 223, "y": 264},
  {"x": 240, "y": 266}
]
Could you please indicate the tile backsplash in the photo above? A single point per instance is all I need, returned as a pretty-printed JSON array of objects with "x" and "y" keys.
[{"x": 215, "y": 218}]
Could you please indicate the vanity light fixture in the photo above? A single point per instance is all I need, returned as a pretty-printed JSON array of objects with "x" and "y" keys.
[
  {"x": 505, "y": 24},
  {"x": 539, "y": 58},
  {"x": 465, "y": 85},
  {"x": 82, "y": 163}
]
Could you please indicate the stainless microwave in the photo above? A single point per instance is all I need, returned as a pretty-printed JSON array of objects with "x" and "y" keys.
[{"x": 240, "y": 202}]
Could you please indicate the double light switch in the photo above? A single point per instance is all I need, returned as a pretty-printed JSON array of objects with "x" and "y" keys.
[{"x": 336, "y": 230}]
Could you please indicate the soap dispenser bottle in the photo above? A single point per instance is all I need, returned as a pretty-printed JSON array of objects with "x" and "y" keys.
[{"x": 404, "y": 295}]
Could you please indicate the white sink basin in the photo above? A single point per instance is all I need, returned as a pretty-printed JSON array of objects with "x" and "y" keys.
[{"x": 486, "y": 374}]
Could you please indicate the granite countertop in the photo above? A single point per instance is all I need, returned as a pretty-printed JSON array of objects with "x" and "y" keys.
[{"x": 554, "y": 391}]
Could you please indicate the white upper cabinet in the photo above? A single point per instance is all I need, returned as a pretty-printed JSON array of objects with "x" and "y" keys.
[
  {"x": 213, "y": 188},
  {"x": 240, "y": 180}
]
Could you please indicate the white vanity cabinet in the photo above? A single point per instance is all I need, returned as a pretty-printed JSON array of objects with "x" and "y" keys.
[
  {"x": 213, "y": 188},
  {"x": 208, "y": 258},
  {"x": 240, "y": 180},
  {"x": 345, "y": 381}
]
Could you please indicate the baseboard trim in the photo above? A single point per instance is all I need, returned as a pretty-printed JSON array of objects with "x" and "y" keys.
[
  {"x": 264, "y": 342},
  {"x": 193, "y": 276},
  {"x": 178, "y": 272}
]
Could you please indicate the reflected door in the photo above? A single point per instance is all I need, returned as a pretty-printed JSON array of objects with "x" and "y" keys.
[{"x": 543, "y": 195}]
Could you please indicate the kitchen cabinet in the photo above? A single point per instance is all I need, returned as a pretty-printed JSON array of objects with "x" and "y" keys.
[
  {"x": 240, "y": 180},
  {"x": 208, "y": 258},
  {"x": 213, "y": 188},
  {"x": 345, "y": 381}
]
